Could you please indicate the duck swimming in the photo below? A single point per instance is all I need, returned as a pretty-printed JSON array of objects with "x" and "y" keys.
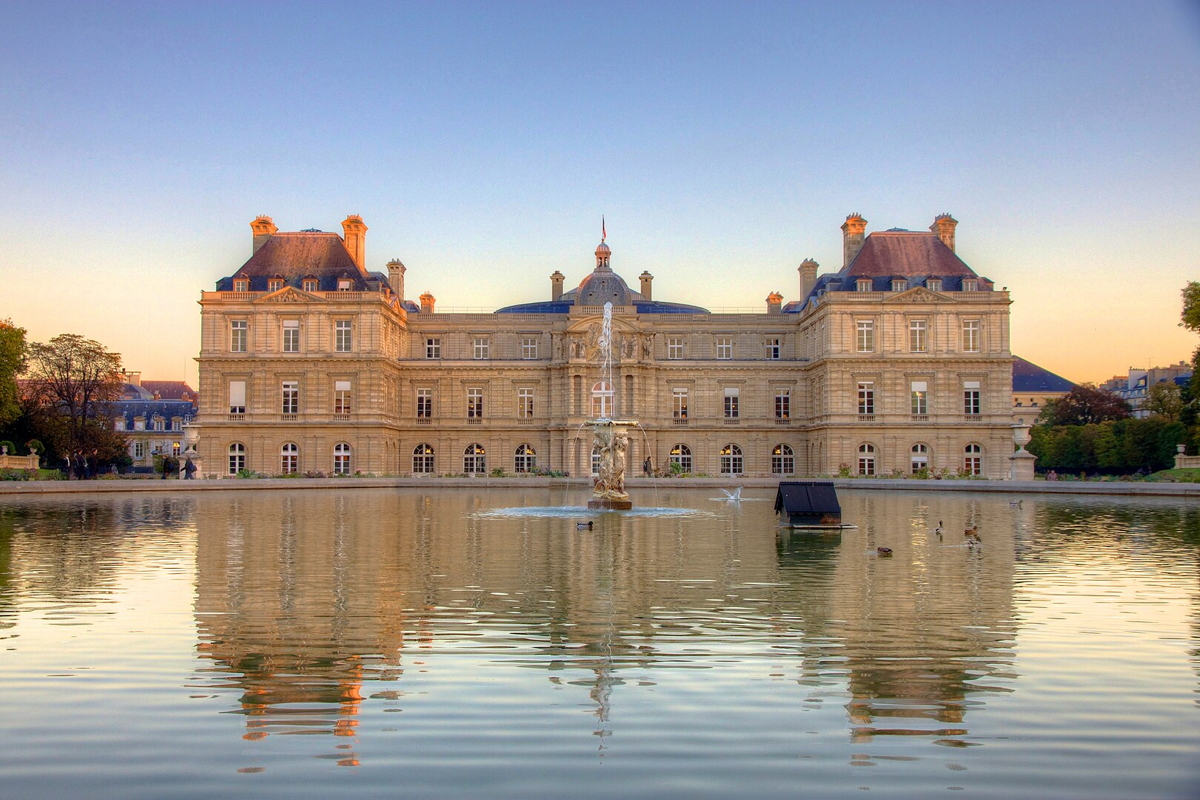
[{"x": 583, "y": 526}]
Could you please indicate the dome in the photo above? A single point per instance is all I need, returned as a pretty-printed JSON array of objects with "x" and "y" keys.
[
  {"x": 603, "y": 249},
  {"x": 603, "y": 287}
]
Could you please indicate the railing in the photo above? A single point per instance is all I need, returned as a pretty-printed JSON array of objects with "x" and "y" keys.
[
  {"x": 474, "y": 420},
  {"x": 236, "y": 416},
  {"x": 866, "y": 417},
  {"x": 679, "y": 421},
  {"x": 920, "y": 418},
  {"x": 424, "y": 420},
  {"x": 526, "y": 421},
  {"x": 782, "y": 420},
  {"x": 972, "y": 417},
  {"x": 341, "y": 417},
  {"x": 731, "y": 421},
  {"x": 288, "y": 417}
]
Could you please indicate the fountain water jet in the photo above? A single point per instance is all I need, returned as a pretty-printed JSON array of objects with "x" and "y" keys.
[{"x": 611, "y": 435}]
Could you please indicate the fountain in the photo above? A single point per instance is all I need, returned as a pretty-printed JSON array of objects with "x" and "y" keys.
[{"x": 611, "y": 435}]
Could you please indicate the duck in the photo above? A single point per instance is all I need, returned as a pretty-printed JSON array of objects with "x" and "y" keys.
[
  {"x": 938, "y": 529},
  {"x": 583, "y": 526},
  {"x": 883, "y": 551},
  {"x": 971, "y": 532},
  {"x": 1016, "y": 503}
]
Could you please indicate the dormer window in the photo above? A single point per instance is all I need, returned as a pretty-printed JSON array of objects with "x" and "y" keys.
[
  {"x": 119, "y": 424},
  {"x": 970, "y": 285},
  {"x": 862, "y": 285},
  {"x": 899, "y": 285},
  {"x": 310, "y": 284},
  {"x": 934, "y": 284},
  {"x": 274, "y": 284},
  {"x": 241, "y": 284},
  {"x": 345, "y": 284}
]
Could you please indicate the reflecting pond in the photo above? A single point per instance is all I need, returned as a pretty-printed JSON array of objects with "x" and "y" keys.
[{"x": 440, "y": 642}]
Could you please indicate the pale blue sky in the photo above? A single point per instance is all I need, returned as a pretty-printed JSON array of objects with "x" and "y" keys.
[{"x": 482, "y": 142}]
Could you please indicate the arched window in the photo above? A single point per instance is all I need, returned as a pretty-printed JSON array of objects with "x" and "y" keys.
[
  {"x": 341, "y": 459},
  {"x": 783, "y": 460},
  {"x": 237, "y": 458},
  {"x": 731, "y": 460},
  {"x": 474, "y": 459},
  {"x": 973, "y": 459},
  {"x": 681, "y": 458},
  {"x": 289, "y": 459},
  {"x": 866, "y": 460},
  {"x": 525, "y": 459},
  {"x": 920, "y": 458},
  {"x": 602, "y": 400},
  {"x": 422, "y": 463}
]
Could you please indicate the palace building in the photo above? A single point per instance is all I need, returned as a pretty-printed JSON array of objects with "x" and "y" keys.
[{"x": 897, "y": 363}]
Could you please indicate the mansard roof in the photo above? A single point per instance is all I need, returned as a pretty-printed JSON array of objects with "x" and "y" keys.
[
  {"x": 299, "y": 255},
  {"x": 169, "y": 390},
  {"x": 1029, "y": 377},
  {"x": 906, "y": 254}
]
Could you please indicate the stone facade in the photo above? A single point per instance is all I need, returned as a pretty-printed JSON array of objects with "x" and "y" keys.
[{"x": 900, "y": 360}]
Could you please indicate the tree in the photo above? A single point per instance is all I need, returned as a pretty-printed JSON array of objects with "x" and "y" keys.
[
  {"x": 1164, "y": 400},
  {"x": 12, "y": 363},
  {"x": 1084, "y": 405},
  {"x": 75, "y": 377}
]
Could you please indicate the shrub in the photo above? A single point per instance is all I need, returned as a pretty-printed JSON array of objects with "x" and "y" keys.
[
  {"x": 15, "y": 474},
  {"x": 498, "y": 472},
  {"x": 12, "y": 448}
]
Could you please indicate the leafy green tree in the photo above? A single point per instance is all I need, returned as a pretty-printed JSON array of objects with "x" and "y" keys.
[
  {"x": 1084, "y": 405},
  {"x": 1164, "y": 401},
  {"x": 76, "y": 378},
  {"x": 12, "y": 363}
]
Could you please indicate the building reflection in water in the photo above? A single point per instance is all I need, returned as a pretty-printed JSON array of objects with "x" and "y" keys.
[{"x": 307, "y": 603}]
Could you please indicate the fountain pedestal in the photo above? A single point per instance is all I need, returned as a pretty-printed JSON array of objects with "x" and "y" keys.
[{"x": 612, "y": 439}]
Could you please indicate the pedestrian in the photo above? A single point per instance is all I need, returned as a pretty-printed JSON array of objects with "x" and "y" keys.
[
  {"x": 93, "y": 464},
  {"x": 189, "y": 471},
  {"x": 647, "y": 467},
  {"x": 80, "y": 466},
  {"x": 166, "y": 466}
]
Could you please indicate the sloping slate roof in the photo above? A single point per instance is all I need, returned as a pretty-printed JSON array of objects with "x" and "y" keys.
[
  {"x": 807, "y": 497},
  {"x": 906, "y": 254},
  {"x": 169, "y": 390},
  {"x": 295, "y": 256},
  {"x": 1029, "y": 377},
  {"x": 148, "y": 408}
]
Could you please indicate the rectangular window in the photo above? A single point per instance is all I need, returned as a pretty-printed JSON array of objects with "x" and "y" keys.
[
  {"x": 920, "y": 398},
  {"x": 160, "y": 424},
  {"x": 291, "y": 336},
  {"x": 343, "y": 339},
  {"x": 474, "y": 403},
  {"x": 424, "y": 403},
  {"x": 774, "y": 349},
  {"x": 176, "y": 424},
  {"x": 724, "y": 348},
  {"x": 865, "y": 340},
  {"x": 481, "y": 347},
  {"x": 241, "y": 285},
  {"x": 238, "y": 329},
  {"x": 674, "y": 348},
  {"x": 934, "y": 284},
  {"x": 529, "y": 348},
  {"x": 899, "y": 285},
  {"x": 731, "y": 403},
  {"x": 783, "y": 404},
  {"x": 345, "y": 284},
  {"x": 971, "y": 404},
  {"x": 970, "y": 336},
  {"x": 525, "y": 403},
  {"x": 274, "y": 284},
  {"x": 433, "y": 348},
  {"x": 918, "y": 336},
  {"x": 680, "y": 403},
  {"x": 310, "y": 284},
  {"x": 119, "y": 424},
  {"x": 291, "y": 397},
  {"x": 866, "y": 399},
  {"x": 970, "y": 285},
  {"x": 139, "y": 450},
  {"x": 237, "y": 397},
  {"x": 341, "y": 397},
  {"x": 862, "y": 285}
]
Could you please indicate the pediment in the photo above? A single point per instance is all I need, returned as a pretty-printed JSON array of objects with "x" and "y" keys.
[
  {"x": 289, "y": 294},
  {"x": 918, "y": 294}
]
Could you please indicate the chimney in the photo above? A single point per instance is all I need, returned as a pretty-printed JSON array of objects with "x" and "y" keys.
[
  {"x": 808, "y": 278},
  {"x": 134, "y": 378},
  {"x": 646, "y": 278},
  {"x": 774, "y": 302},
  {"x": 556, "y": 284},
  {"x": 943, "y": 225},
  {"x": 263, "y": 228},
  {"x": 427, "y": 301},
  {"x": 356, "y": 239},
  {"x": 853, "y": 230},
  {"x": 396, "y": 272}
]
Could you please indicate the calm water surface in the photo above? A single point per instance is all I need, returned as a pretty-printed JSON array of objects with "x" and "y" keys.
[{"x": 439, "y": 643}]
